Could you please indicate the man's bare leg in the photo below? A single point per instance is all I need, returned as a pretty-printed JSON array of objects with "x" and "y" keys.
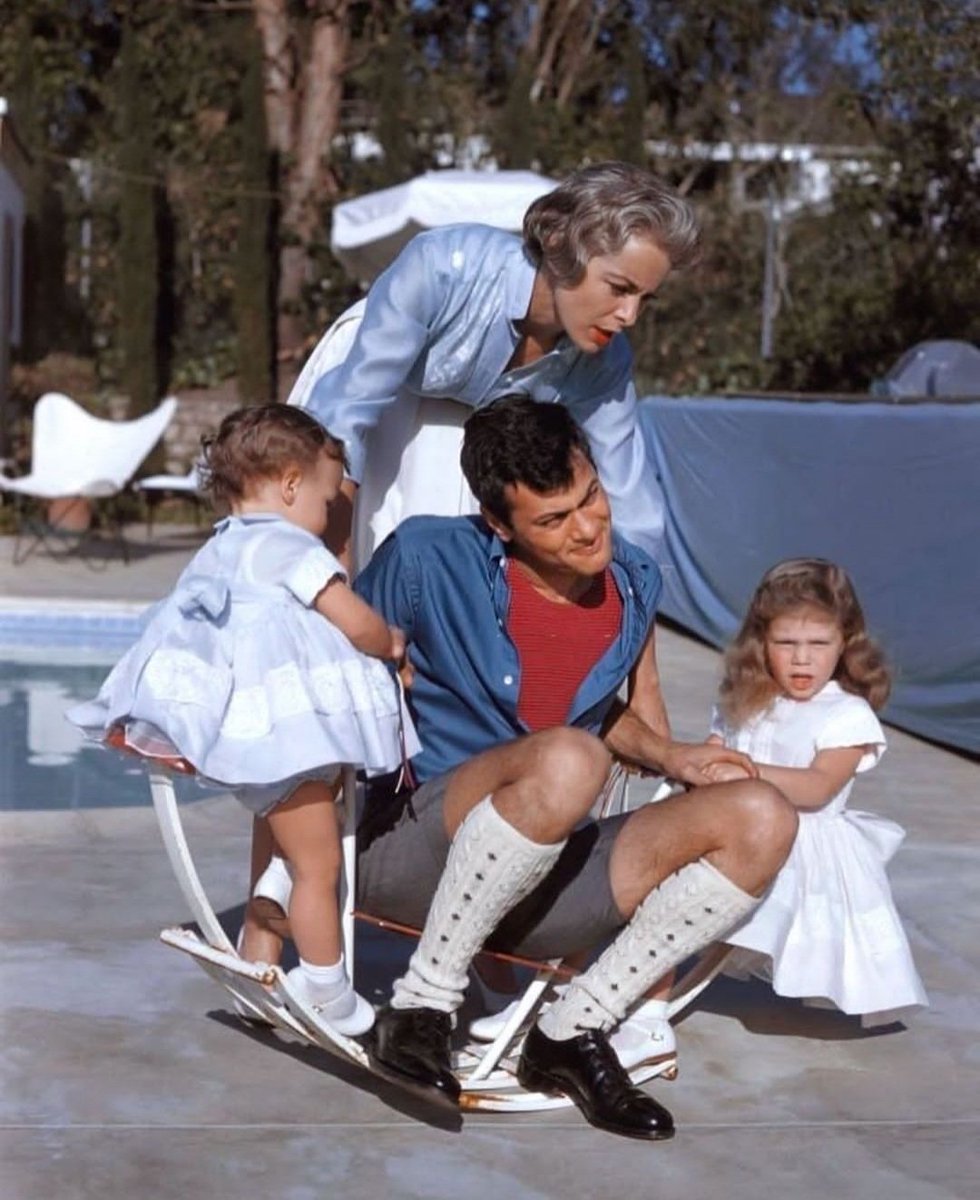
[
  {"x": 685, "y": 871},
  {"x": 508, "y": 813},
  {"x": 744, "y": 829},
  {"x": 543, "y": 784}
]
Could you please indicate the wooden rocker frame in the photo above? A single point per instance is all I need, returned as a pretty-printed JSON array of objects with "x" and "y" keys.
[{"x": 261, "y": 992}]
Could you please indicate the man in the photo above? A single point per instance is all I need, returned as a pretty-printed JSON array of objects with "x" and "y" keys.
[{"x": 522, "y": 627}]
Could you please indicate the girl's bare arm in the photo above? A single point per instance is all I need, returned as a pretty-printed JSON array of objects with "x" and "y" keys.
[
  {"x": 804, "y": 787},
  {"x": 358, "y": 621}
]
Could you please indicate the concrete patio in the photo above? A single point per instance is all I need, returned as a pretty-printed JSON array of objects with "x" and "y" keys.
[{"x": 124, "y": 1075}]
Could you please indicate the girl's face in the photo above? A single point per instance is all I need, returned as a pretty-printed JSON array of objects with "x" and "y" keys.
[
  {"x": 309, "y": 492},
  {"x": 610, "y": 295},
  {"x": 803, "y": 648}
]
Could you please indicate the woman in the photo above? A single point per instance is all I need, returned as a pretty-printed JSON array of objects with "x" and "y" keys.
[{"x": 469, "y": 312}]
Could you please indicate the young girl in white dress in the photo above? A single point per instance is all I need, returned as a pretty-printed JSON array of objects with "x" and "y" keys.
[
  {"x": 263, "y": 670},
  {"x": 801, "y": 685}
]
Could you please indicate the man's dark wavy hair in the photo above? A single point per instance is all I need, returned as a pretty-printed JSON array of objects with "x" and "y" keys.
[{"x": 518, "y": 440}]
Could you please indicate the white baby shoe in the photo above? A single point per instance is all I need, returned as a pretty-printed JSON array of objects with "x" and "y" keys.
[
  {"x": 274, "y": 886},
  {"x": 346, "y": 1013},
  {"x": 646, "y": 1036}
]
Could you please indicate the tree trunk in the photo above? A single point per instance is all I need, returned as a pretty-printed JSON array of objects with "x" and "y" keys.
[{"x": 303, "y": 112}]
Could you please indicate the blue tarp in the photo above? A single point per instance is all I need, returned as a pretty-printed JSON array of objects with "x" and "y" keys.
[{"x": 889, "y": 491}]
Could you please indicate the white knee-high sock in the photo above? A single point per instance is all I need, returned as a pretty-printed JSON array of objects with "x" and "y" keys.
[
  {"x": 685, "y": 913},
  {"x": 491, "y": 866}
]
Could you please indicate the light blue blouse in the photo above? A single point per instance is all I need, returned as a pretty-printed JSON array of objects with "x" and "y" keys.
[{"x": 439, "y": 322}]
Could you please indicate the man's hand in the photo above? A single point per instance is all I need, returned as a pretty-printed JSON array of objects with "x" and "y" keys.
[{"x": 700, "y": 763}]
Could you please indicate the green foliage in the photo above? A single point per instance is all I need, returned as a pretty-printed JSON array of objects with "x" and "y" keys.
[
  {"x": 138, "y": 247},
  {"x": 254, "y": 303},
  {"x": 630, "y": 138},
  {"x": 893, "y": 261},
  {"x": 516, "y": 135},
  {"x": 400, "y": 159}
]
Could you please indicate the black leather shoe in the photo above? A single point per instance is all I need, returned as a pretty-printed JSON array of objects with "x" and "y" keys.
[
  {"x": 410, "y": 1047},
  {"x": 586, "y": 1069}
]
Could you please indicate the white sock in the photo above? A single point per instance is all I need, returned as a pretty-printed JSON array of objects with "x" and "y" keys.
[
  {"x": 324, "y": 983},
  {"x": 689, "y": 910},
  {"x": 491, "y": 866}
]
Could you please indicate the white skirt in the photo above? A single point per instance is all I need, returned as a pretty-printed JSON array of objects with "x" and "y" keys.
[
  {"x": 412, "y": 455},
  {"x": 829, "y": 925}
]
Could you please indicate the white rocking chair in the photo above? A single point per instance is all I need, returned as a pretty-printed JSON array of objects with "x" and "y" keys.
[{"x": 487, "y": 1072}]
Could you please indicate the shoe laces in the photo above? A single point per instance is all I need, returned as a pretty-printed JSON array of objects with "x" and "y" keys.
[{"x": 430, "y": 1026}]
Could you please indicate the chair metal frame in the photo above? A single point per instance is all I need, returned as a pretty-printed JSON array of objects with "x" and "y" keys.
[
  {"x": 153, "y": 490},
  {"x": 261, "y": 992}
]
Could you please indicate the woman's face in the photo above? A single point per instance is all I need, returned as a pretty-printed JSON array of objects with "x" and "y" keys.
[{"x": 611, "y": 294}]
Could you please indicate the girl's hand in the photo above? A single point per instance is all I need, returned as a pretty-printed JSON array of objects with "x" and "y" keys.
[
  {"x": 693, "y": 763},
  {"x": 725, "y": 772},
  {"x": 397, "y": 644},
  {"x": 399, "y": 655}
]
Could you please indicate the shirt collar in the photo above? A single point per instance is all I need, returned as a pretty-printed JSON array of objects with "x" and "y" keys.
[
  {"x": 519, "y": 283},
  {"x": 246, "y": 519}
]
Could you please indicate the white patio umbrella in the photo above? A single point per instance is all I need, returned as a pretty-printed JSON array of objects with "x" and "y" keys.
[{"x": 368, "y": 231}]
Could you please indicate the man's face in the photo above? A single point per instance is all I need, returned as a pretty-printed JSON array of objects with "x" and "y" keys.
[{"x": 562, "y": 534}]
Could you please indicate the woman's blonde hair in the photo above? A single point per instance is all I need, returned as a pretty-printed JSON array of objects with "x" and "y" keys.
[
  {"x": 747, "y": 686},
  {"x": 597, "y": 210}
]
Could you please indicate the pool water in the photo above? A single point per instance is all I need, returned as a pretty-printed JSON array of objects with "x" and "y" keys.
[
  {"x": 45, "y": 762},
  {"x": 51, "y": 659}
]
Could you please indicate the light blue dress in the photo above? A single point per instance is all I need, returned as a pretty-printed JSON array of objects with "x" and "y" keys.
[
  {"x": 239, "y": 674},
  {"x": 440, "y": 323}
]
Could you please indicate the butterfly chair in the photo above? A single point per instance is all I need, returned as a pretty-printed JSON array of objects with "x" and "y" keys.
[
  {"x": 156, "y": 488},
  {"x": 262, "y": 993},
  {"x": 75, "y": 456}
]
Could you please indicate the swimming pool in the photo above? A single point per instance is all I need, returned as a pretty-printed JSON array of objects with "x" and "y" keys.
[{"x": 52, "y": 655}]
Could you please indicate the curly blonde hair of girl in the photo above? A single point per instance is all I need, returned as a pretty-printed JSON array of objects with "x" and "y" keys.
[{"x": 748, "y": 688}]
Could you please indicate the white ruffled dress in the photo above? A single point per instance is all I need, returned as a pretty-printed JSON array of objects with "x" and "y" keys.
[
  {"x": 828, "y": 923},
  {"x": 240, "y": 675}
]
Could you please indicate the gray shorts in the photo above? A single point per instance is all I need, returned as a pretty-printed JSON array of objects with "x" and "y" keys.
[{"x": 401, "y": 852}]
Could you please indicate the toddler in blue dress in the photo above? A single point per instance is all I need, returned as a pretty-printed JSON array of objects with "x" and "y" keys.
[{"x": 263, "y": 670}]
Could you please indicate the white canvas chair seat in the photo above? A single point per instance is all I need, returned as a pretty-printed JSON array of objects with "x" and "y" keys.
[
  {"x": 189, "y": 483},
  {"x": 155, "y": 488},
  {"x": 76, "y": 454},
  {"x": 487, "y": 1073}
]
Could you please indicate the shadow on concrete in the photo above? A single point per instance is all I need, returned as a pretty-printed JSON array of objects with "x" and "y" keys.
[
  {"x": 345, "y": 1072},
  {"x": 757, "y": 1008}
]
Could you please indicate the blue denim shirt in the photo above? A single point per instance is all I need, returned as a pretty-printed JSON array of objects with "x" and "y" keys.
[{"x": 442, "y": 580}]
